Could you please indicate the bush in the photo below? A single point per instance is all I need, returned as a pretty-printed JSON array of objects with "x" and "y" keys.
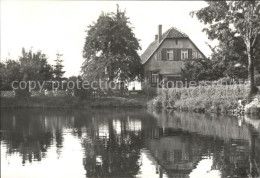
[
  {"x": 22, "y": 93},
  {"x": 149, "y": 90},
  {"x": 212, "y": 98},
  {"x": 83, "y": 93},
  {"x": 257, "y": 80}
]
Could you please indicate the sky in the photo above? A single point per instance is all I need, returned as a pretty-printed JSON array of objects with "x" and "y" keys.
[{"x": 60, "y": 26}]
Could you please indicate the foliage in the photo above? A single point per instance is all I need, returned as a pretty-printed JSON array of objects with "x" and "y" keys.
[
  {"x": 34, "y": 66},
  {"x": 148, "y": 90},
  {"x": 10, "y": 71},
  {"x": 216, "y": 97},
  {"x": 58, "y": 71},
  {"x": 201, "y": 69},
  {"x": 111, "y": 48},
  {"x": 236, "y": 24},
  {"x": 45, "y": 102},
  {"x": 211, "y": 69},
  {"x": 30, "y": 66},
  {"x": 257, "y": 80},
  {"x": 80, "y": 92},
  {"x": 22, "y": 93}
]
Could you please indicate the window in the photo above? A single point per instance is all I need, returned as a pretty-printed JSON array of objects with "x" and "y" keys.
[
  {"x": 166, "y": 155},
  {"x": 154, "y": 77},
  {"x": 199, "y": 55},
  {"x": 169, "y": 54},
  {"x": 184, "y": 54},
  {"x": 194, "y": 54},
  {"x": 177, "y": 156}
]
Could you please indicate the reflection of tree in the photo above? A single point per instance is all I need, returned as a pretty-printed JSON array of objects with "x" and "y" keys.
[
  {"x": 114, "y": 155},
  {"x": 253, "y": 169},
  {"x": 31, "y": 132},
  {"x": 112, "y": 140}
]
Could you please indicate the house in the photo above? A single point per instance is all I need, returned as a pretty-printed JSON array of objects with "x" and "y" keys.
[{"x": 163, "y": 59}]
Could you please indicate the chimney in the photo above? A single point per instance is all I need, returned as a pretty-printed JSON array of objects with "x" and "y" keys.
[
  {"x": 159, "y": 33},
  {"x": 156, "y": 37}
]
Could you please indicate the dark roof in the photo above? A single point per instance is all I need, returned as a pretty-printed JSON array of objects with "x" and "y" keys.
[{"x": 172, "y": 33}]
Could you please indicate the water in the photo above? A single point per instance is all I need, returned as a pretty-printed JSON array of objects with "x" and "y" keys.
[{"x": 127, "y": 143}]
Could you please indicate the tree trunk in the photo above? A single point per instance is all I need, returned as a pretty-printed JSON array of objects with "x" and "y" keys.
[{"x": 251, "y": 66}]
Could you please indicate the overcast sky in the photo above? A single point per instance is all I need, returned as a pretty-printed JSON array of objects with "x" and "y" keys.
[{"x": 53, "y": 26}]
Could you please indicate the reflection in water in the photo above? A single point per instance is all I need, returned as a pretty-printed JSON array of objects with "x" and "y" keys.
[{"x": 127, "y": 143}]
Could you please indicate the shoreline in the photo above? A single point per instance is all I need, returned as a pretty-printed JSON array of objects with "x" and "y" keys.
[
  {"x": 99, "y": 103},
  {"x": 73, "y": 102}
]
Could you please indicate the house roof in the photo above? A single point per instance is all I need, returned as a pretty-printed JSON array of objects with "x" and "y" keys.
[{"x": 172, "y": 33}]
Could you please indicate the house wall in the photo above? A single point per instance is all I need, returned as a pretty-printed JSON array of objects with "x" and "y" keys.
[{"x": 168, "y": 67}]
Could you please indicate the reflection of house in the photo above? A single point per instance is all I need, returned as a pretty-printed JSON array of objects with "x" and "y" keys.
[
  {"x": 103, "y": 131},
  {"x": 178, "y": 153},
  {"x": 133, "y": 125},
  {"x": 172, "y": 150},
  {"x": 233, "y": 159},
  {"x": 117, "y": 126}
]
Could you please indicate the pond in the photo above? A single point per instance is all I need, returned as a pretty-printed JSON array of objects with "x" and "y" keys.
[{"x": 127, "y": 143}]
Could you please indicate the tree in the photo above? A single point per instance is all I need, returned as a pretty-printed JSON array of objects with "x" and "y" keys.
[
  {"x": 80, "y": 91},
  {"x": 240, "y": 19},
  {"x": 111, "y": 47},
  {"x": 58, "y": 68},
  {"x": 202, "y": 69},
  {"x": 230, "y": 57},
  {"x": 30, "y": 66},
  {"x": 34, "y": 66},
  {"x": 10, "y": 71}
]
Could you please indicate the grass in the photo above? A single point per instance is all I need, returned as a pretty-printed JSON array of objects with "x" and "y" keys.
[
  {"x": 207, "y": 98},
  {"x": 71, "y": 102},
  {"x": 119, "y": 102},
  {"x": 218, "y": 99},
  {"x": 43, "y": 102}
]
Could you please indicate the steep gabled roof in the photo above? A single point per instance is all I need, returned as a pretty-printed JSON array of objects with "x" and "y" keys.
[{"x": 172, "y": 33}]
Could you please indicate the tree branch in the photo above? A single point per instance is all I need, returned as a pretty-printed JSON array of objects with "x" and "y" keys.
[{"x": 255, "y": 37}]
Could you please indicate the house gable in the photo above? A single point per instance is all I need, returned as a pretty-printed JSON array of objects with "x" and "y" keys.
[
  {"x": 155, "y": 62},
  {"x": 171, "y": 33},
  {"x": 163, "y": 59}
]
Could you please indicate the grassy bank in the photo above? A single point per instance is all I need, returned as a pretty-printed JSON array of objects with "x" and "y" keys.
[
  {"x": 71, "y": 102},
  {"x": 217, "y": 99},
  {"x": 139, "y": 102},
  {"x": 43, "y": 102}
]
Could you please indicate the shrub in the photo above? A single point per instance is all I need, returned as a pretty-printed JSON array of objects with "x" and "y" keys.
[
  {"x": 149, "y": 90},
  {"x": 157, "y": 102},
  {"x": 22, "y": 93},
  {"x": 83, "y": 93},
  {"x": 225, "y": 81},
  {"x": 217, "y": 98},
  {"x": 257, "y": 80}
]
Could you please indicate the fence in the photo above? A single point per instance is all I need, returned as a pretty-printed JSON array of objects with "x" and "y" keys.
[
  {"x": 58, "y": 93},
  {"x": 63, "y": 93},
  {"x": 51, "y": 93}
]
